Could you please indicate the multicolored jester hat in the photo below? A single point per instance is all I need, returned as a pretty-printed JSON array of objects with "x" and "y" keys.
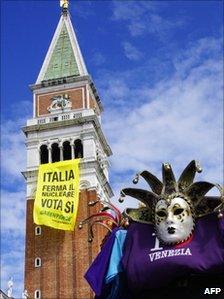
[{"x": 176, "y": 233}]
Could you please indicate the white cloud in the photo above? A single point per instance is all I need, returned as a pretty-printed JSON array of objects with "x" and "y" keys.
[
  {"x": 131, "y": 10},
  {"x": 13, "y": 150},
  {"x": 131, "y": 52},
  {"x": 82, "y": 9},
  {"x": 137, "y": 27},
  {"x": 144, "y": 17},
  {"x": 179, "y": 118},
  {"x": 12, "y": 265},
  {"x": 13, "y": 197},
  {"x": 13, "y": 212},
  {"x": 116, "y": 89},
  {"x": 98, "y": 58},
  {"x": 12, "y": 239},
  {"x": 201, "y": 50}
]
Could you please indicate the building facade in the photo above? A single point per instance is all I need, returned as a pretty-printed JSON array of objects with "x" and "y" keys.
[{"x": 65, "y": 125}]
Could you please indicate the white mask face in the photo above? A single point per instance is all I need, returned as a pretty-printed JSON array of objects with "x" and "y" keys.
[{"x": 174, "y": 222}]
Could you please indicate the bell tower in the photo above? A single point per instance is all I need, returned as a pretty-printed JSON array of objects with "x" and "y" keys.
[{"x": 66, "y": 125}]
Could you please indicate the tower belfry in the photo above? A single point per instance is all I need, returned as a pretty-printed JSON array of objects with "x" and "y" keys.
[{"x": 66, "y": 125}]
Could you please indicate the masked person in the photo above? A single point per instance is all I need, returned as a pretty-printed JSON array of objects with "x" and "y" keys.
[{"x": 173, "y": 246}]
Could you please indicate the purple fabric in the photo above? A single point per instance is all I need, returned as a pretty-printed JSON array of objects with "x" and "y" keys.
[
  {"x": 148, "y": 264},
  {"x": 147, "y": 268},
  {"x": 221, "y": 224},
  {"x": 97, "y": 271}
]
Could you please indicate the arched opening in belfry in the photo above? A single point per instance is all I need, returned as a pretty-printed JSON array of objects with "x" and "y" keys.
[
  {"x": 67, "y": 151},
  {"x": 55, "y": 152},
  {"x": 43, "y": 154},
  {"x": 78, "y": 149}
]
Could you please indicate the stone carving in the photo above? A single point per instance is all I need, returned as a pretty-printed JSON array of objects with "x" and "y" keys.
[
  {"x": 101, "y": 158},
  {"x": 60, "y": 103}
]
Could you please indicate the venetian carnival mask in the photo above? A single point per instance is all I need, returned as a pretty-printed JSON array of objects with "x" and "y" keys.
[
  {"x": 173, "y": 221},
  {"x": 173, "y": 205}
]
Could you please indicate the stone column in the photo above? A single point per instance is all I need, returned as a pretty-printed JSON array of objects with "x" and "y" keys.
[
  {"x": 72, "y": 148},
  {"x": 61, "y": 151},
  {"x": 39, "y": 155},
  {"x": 89, "y": 147},
  {"x": 49, "y": 153}
]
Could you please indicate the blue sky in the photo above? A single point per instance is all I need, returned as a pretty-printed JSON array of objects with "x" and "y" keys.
[{"x": 158, "y": 67}]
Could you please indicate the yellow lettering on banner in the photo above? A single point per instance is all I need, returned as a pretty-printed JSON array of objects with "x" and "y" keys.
[{"x": 57, "y": 196}]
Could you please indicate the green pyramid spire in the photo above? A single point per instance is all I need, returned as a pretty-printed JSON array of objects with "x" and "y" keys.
[{"x": 62, "y": 62}]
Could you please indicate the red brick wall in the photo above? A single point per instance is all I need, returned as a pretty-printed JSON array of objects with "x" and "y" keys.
[
  {"x": 65, "y": 255},
  {"x": 43, "y": 101}
]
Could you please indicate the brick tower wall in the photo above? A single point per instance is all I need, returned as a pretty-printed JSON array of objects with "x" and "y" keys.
[
  {"x": 77, "y": 97},
  {"x": 65, "y": 256}
]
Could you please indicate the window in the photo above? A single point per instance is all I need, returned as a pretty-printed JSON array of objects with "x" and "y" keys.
[
  {"x": 37, "y": 294},
  {"x": 78, "y": 149},
  {"x": 55, "y": 152},
  {"x": 43, "y": 154},
  {"x": 67, "y": 151},
  {"x": 37, "y": 230},
  {"x": 37, "y": 262}
]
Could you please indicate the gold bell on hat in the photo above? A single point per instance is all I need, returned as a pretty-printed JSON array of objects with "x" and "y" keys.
[{"x": 220, "y": 214}]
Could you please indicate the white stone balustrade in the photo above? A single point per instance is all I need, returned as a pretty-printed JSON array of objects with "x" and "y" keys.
[{"x": 59, "y": 117}]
